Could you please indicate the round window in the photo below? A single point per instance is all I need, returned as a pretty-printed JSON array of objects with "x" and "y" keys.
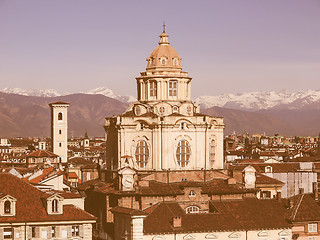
[{"x": 162, "y": 110}]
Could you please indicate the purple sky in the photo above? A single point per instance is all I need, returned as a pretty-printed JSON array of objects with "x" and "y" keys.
[{"x": 226, "y": 46}]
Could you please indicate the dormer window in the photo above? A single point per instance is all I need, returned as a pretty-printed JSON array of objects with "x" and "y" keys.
[
  {"x": 54, "y": 205},
  {"x": 8, "y": 206},
  {"x": 192, "y": 209},
  {"x": 268, "y": 169}
]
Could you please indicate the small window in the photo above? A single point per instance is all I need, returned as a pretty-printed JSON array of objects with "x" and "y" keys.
[
  {"x": 53, "y": 232},
  {"x": 173, "y": 88},
  {"x": 268, "y": 169},
  {"x": 7, "y": 207},
  {"x": 75, "y": 231},
  {"x": 60, "y": 144},
  {"x": 54, "y": 206},
  {"x": 153, "y": 89},
  {"x": 7, "y": 233},
  {"x": 212, "y": 151},
  {"x": 162, "y": 110},
  {"x": 192, "y": 209},
  {"x": 60, "y": 131},
  {"x": 59, "y": 116},
  {"x": 192, "y": 193},
  {"x": 312, "y": 227},
  {"x": 33, "y": 232}
]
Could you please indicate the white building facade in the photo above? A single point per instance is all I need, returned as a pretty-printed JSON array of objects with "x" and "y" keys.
[
  {"x": 163, "y": 129},
  {"x": 59, "y": 129}
]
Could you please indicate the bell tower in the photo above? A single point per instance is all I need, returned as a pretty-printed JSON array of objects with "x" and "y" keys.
[{"x": 59, "y": 129}]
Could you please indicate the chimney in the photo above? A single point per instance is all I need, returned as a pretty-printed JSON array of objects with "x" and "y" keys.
[
  {"x": 232, "y": 181},
  {"x": 301, "y": 190},
  {"x": 279, "y": 196},
  {"x": 176, "y": 222},
  {"x": 316, "y": 191}
]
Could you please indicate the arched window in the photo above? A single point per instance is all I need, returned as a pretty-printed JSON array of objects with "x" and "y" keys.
[
  {"x": 153, "y": 88},
  {"x": 173, "y": 88},
  {"x": 7, "y": 207},
  {"x": 183, "y": 153},
  {"x": 142, "y": 153},
  {"x": 59, "y": 116},
  {"x": 212, "y": 151},
  {"x": 54, "y": 205},
  {"x": 192, "y": 209}
]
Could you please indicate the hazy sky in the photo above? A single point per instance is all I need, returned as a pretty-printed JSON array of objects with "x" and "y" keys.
[{"x": 226, "y": 46}]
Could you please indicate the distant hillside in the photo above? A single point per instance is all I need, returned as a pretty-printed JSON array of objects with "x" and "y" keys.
[
  {"x": 254, "y": 122},
  {"x": 30, "y": 116}
]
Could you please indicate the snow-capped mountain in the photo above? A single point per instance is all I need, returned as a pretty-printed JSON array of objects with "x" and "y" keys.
[
  {"x": 32, "y": 92},
  {"x": 261, "y": 100},
  {"x": 109, "y": 93},
  {"x": 53, "y": 93},
  {"x": 245, "y": 101}
]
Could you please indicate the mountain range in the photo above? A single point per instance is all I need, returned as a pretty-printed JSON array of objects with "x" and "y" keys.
[{"x": 26, "y": 112}]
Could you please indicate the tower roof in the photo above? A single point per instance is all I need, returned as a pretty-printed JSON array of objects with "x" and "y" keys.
[{"x": 164, "y": 56}]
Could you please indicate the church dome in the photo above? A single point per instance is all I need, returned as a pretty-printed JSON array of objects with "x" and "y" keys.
[{"x": 164, "y": 56}]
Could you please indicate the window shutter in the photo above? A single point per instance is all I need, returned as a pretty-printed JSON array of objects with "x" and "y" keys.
[
  {"x": 306, "y": 228},
  {"x": 1, "y": 232},
  {"x": 57, "y": 232},
  {"x": 69, "y": 231},
  {"x": 81, "y": 230},
  {"x": 318, "y": 228},
  {"x": 37, "y": 232}
]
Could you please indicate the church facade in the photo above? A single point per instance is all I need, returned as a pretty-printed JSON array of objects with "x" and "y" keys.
[{"x": 164, "y": 129}]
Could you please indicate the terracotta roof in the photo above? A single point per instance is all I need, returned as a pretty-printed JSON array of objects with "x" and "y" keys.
[
  {"x": 47, "y": 172},
  {"x": 94, "y": 183},
  {"x": 158, "y": 188},
  {"x": 246, "y": 214},
  {"x": 30, "y": 208},
  {"x": 130, "y": 211},
  {"x": 64, "y": 194},
  {"x": 72, "y": 175},
  {"x": 263, "y": 179},
  {"x": 78, "y": 161},
  {"x": 42, "y": 153},
  {"x": 305, "y": 208}
]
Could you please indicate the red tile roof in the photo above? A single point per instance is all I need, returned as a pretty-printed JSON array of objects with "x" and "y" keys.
[
  {"x": 263, "y": 179},
  {"x": 305, "y": 208},
  {"x": 30, "y": 208},
  {"x": 42, "y": 153},
  {"x": 246, "y": 214},
  {"x": 72, "y": 175}
]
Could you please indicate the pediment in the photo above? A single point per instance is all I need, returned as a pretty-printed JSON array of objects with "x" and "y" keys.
[
  {"x": 127, "y": 171},
  {"x": 263, "y": 234},
  {"x": 189, "y": 236},
  {"x": 234, "y": 235},
  {"x": 211, "y": 236},
  {"x": 284, "y": 233},
  {"x": 8, "y": 197},
  {"x": 55, "y": 196}
]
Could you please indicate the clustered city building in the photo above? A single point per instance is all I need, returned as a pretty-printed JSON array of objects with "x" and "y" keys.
[{"x": 164, "y": 171}]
